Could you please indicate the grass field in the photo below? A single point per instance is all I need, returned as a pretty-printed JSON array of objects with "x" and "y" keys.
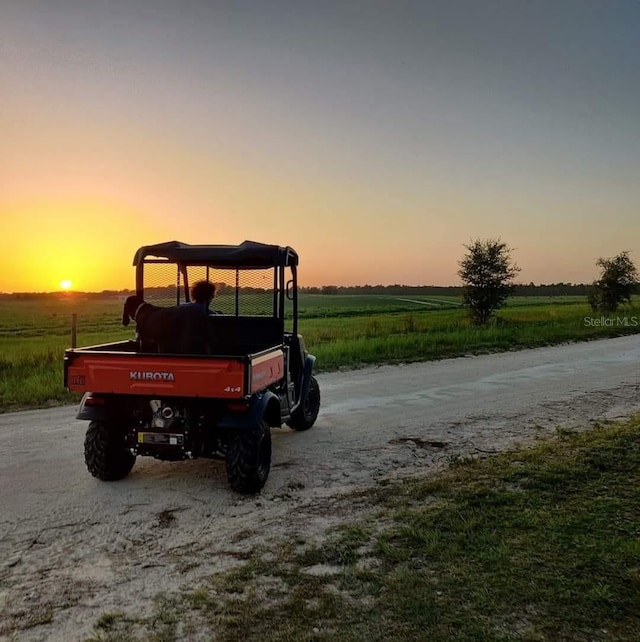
[
  {"x": 536, "y": 545},
  {"x": 343, "y": 331}
]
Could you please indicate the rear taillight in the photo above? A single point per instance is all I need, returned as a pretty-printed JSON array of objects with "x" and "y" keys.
[
  {"x": 94, "y": 401},
  {"x": 237, "y": 407}
]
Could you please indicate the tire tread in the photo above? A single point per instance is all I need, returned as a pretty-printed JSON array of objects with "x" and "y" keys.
[{"x": 105, "y": 453}]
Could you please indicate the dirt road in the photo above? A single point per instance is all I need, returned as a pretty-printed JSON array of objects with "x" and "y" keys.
[{"x": 72, "y": 547}]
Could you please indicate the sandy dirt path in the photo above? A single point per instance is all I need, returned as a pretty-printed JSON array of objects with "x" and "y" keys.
[{"x": 72, "y": 547}]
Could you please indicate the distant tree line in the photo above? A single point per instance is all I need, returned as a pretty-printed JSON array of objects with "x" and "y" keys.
[
  {"x": 528, "y": 289},
  {"x": 74, "y": 294}
]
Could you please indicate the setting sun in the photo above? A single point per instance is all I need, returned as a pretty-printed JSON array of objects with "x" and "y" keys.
[{"x": 66, "y": 284}]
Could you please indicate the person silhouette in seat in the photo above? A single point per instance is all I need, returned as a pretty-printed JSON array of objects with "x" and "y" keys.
[{"x": 202, "y": 293}]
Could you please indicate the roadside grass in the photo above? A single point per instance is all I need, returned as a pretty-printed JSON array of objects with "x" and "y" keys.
[
  {"x": 348, "y": 332},
  {"x": 538, "y": 544},
  {"x": 424, "y": 335},
  {"x": 31, "y": 369}
]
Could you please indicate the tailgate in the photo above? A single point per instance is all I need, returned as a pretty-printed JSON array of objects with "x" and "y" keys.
[{"x": 224, "y": 377}]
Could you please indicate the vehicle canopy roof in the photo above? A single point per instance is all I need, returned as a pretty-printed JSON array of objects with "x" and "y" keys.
[{"x": 248, "y": 255}]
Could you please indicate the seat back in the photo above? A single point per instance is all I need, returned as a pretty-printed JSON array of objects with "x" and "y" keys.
[{"x": 231, "y": 335}]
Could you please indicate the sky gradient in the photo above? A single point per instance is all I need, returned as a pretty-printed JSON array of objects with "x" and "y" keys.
[{"x": 376, "y": 138}]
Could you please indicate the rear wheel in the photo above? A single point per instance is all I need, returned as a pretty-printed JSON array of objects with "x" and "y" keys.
[
  {"x": 305, "y": 415},
  {"x": 249, "y": 458},
  {"x": 105, "y": 451}
]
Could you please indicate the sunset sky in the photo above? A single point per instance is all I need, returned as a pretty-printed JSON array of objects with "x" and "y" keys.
[{"x": 375, "y": 137}]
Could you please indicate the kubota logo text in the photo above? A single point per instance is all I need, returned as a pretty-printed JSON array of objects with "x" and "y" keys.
[{"x": 137, "y": 375}]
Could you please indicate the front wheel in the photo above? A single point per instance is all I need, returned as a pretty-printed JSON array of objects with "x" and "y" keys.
[
  {"x": 249, "y": 458},
  {"x": 105, "y": 451},
  {"x": 305, "y": 415}
]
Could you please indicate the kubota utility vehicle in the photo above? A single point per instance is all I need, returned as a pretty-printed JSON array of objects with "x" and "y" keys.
[{"x": 254, "y": 374}]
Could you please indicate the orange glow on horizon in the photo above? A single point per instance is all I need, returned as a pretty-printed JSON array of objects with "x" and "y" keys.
[{"x": 92, "y": 240}]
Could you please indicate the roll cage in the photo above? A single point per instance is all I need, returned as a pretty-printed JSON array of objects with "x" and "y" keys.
[{"x": 238, "y": 259}]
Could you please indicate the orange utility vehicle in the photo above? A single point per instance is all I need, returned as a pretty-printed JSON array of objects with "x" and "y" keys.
[{"x": 254, "y": 374}]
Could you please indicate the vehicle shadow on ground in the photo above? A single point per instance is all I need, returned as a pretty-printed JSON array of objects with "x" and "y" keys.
[{"x": 199, "y": 477}]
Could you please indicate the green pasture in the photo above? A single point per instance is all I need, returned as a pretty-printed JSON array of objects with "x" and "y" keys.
[{"x": 343, "y": 331}]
